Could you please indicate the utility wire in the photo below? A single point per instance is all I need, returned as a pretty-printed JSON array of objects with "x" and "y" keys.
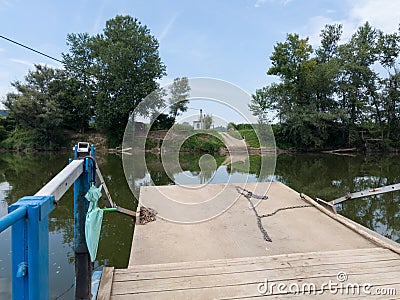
[{"x": 31, "y": 49}]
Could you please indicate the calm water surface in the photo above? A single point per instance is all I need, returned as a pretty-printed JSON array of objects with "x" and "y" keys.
[{"x": 318, "y": 175}]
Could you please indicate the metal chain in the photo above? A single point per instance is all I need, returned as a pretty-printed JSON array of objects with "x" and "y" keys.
[
  {"x": 248, "y": 195},
  {"x": 285, "y": 208}
]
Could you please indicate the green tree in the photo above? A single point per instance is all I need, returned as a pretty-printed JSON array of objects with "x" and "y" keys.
[
  {"x": 389, "y": 50},
  {"x": 261, "y": 104},
  {"x": 179, "y": 100},
  {"x": 115, "y": 71},
  {"x": 128, "y": 68},
  {"x": 302, "y": 99},
  {"x": 36, "y": 108},
  {"x": 208, "y": 120},
  {"x": 358, "y": 82},
  {"x": 326, "y": 97},
  {"x": 80, "y": 89},
  {"x": 3, "y": 131},
  {"x": 162, "y": 122}
]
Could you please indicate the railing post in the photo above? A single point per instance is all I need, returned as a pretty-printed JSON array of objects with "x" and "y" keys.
[
  {"x": 83, "y": 265},
  {"x": 30, "y": 248}
]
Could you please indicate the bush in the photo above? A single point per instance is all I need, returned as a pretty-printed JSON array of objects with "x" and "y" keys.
[
  {"x": 202, "y": 142},
  {"x": 22, "y": 139},
  {"x": 163, "y": 122},
  {"x": 244, "y": 126},
  {"x": 151, "y": 143}
]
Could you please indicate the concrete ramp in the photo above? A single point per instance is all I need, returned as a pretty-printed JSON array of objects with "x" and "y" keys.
[
  {"x": 295, "y": 227},
  {"x": 256, "y": 245}
]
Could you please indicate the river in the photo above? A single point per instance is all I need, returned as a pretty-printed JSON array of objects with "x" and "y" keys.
[{"x": 318, "y": 175}]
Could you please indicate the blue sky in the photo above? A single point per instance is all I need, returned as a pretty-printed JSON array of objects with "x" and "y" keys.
[{"x": 229, "y": 40}]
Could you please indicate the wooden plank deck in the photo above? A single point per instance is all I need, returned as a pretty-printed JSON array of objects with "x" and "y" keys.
[{"x": 227, "y": 257}]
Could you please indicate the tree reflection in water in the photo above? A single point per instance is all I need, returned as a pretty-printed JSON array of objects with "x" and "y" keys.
[{"x": 318, "y": 175}]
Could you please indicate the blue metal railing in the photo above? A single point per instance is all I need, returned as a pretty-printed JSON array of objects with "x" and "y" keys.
[
  {"x": 12, "y": 218},
  {"x": 29, "y": 219}
]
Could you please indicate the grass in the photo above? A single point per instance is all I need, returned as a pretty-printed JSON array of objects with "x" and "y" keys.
[
  {"x": 251, "y": 137},
  {"x": 202, "y": 142}
]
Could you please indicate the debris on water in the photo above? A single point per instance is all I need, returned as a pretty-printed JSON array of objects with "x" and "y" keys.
[{"x": 146, "y": 215}]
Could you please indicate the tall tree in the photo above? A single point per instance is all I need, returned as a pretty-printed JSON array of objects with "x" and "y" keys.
[
  {"x": 327, "y": 97},
  {"x": 179, "y": 99},
  {"x": 117, "y": 70},
  {"x": 128, "y": 68},
  {"x": 357, "y": 81},
  {"x": 302, "y": 98},
  {"x": 80, "y": 64},
  {"x": 389, "y": 50},
  {"x": 208, "y": 120},
  {"x": 36, "y": 107}
]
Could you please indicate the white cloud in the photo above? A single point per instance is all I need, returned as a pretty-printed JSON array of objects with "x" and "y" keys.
[
  {"x": 261, "y": 2},
  {"x": 22, "y": 62},
  {"x": 99, "y": 21},
  {"x": 167, "y": 28},
  {"x": 383, "y": 15},
  {"x": 57, "y": 66}
]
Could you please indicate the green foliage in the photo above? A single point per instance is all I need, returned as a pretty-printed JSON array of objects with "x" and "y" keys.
[
  {"x": 3, "y": 133},
  {"x": 36, "y": 107},
  {"x": 7, "y": 124},
  {"x": 244, "y": 126},
  {"x": 151, "y": 143},
  {"x": 80, "y": 82},
  {"x": 251, "y": 137},
  {"x": 208, "y": 120},
  {"x": 21, "y": 139},
  {"x": 179, "y": 100},
  {"x": 231, "y": 126},
  {"x": 162, "y": 122},
  {"x": 116, "y": 70},
  {"x": 327, "y": 96},
  {"x": 184, "y": 126},
  {"x": 203, "y": 142}
]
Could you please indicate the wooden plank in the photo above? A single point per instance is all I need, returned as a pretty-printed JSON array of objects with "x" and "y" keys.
[
  {"x": 330, "y": 296},
  {"x": 295, "y": 276},
  {"x": 236, "y": 290},
  {"x": 251, "y": 290},
  {"x": 281, "y": 263},
  {"x": 339, "y": 266},
  {"x": 274, "y": 262},
  {"x": 247, "y": 260},
  {"x": 105, "y": 188},
  {"x": 106, "y": 283}
]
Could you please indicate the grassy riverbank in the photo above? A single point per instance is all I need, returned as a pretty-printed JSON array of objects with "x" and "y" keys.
[{"x": 207, "y": 141}]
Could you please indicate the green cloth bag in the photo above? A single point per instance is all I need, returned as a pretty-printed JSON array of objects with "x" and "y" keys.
[{"x": 94, "y": 218}]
